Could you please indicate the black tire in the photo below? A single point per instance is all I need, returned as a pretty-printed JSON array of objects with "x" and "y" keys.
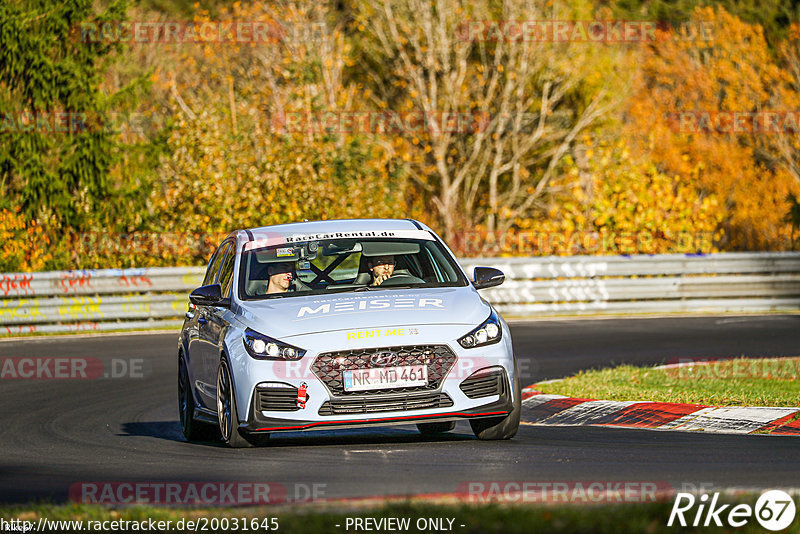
[
  {"x": 193, "y": 430},
  {"x": 227, "y": 415},
  {"x": 493, "y": 428},
  {"x": 436, "y": 428}
]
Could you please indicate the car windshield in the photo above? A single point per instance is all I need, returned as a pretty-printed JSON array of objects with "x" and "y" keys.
[{"x": 333, "y": 265}]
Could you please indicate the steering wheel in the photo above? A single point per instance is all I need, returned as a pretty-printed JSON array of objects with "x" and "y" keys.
[{"x": 402, "y": 280}]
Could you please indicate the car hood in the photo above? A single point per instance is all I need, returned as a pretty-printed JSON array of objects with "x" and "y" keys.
[{"x": 286, "y": 317}]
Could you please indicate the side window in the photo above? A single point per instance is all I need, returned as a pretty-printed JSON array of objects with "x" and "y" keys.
[
  {"x": 213, "y": 266},
  {"x": 226, "y": 271}
]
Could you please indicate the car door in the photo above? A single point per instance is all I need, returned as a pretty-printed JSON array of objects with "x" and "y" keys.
[
  {"x": 216, "y": 324},
  {"x": 196, "y": 319},
  {"x": 206, "y": 349}
]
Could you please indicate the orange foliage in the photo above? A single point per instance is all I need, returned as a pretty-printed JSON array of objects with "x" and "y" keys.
[
  {"x": 728, "y": 70},
  {"x": 23, "y": 245}
]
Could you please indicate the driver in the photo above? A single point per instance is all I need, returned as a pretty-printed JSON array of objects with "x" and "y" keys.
[
  {"x": 280, "y": 277},
  {"x": 381, "y": 268}
]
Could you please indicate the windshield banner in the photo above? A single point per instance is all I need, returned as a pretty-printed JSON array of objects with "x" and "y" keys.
[{"x": 262, "y": 241}]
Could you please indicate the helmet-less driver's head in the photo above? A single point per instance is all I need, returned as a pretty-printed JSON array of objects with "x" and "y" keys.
[
  {"x": 280, "y": 277},
  {"x": 381, "y": 268}
]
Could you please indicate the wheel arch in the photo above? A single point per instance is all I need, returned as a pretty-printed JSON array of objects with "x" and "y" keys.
[{"x": 225, "y": 357}]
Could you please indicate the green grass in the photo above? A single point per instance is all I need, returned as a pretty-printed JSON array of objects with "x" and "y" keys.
[
  {"x": 476, "y": 518},
  {"x": 737, "y": 382}
]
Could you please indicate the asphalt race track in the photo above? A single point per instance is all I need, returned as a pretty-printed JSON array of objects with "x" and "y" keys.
[{"x": 56, "y": 433}]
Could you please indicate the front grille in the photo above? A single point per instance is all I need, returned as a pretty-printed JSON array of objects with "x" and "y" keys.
[
  {"x": 484, "y": 384},
  {"x": 328, "y": 367},
  {"x": 276, "y": 399},
  {"x": 385, "y": 403}
]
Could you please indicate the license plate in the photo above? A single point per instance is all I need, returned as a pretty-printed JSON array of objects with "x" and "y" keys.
[{"x": 386, "y": 377}]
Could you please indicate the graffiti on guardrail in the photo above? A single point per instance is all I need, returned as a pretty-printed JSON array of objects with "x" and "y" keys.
[
  {"x": 80, "y": 308},
  {"x": 19, "y": 309},
  {"x": 18, "y": 283},
  {"x": 135, "y": 281},
  {"x": 75, "y": 280}
]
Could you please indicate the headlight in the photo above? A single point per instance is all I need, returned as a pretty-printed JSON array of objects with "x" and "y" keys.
[
  {"x": 487, "y": 333},
  {"x": 264, "y": 347}
]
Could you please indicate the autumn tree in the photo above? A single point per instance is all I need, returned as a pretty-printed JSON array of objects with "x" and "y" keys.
[
  {"x": 774, "y": 16},
  {"x": 787, "y": 143},
  {"x": 628, "y": 207},
  {"x": 237, "y": 161},
  {"x": 57, "y": 149},
  {"x": 687, "y": 93},
  {"x": 535, "y": 96}
]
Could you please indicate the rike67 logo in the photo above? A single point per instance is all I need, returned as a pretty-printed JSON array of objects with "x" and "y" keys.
[{"x": 774, "y": 510}]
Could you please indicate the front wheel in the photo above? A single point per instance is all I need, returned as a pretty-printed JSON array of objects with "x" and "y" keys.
[
  {"x": 501, "y": 427},
  {"x": 227, "y": 416}
]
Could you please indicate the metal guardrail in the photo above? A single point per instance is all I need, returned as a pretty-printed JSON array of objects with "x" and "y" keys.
[
  {"x": 663, "y": 283},
  {"x": 118, "y": 299},
  {"x": 95, "y": 300}
]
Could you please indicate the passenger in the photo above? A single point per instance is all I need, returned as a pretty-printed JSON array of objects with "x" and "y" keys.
[
  {"x": 280, "y": 277},
  {"x": 381, "y": 268}
]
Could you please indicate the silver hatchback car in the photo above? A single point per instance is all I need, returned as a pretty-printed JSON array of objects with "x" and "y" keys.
[{"x": 340, "y": 324}]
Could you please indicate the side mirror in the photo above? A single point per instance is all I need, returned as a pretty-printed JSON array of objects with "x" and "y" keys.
[
  {"x": 488, "y": 277},
  {"x": 210, "y": 295}
]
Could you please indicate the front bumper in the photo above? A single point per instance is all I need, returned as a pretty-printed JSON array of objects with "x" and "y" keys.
[{"x": 257, "y": 422}]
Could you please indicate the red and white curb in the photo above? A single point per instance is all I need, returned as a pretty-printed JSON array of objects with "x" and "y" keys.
[{"x": 557, "y": 410}]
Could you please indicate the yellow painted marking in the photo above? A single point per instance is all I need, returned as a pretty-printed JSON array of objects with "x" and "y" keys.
[
  {"x": 80, "y": 307},
  {"x": 376, "y": 333},
  {"x": 21, "y": 308}
]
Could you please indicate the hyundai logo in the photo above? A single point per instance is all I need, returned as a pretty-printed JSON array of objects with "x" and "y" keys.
[{"x": 383, "y": 358}]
